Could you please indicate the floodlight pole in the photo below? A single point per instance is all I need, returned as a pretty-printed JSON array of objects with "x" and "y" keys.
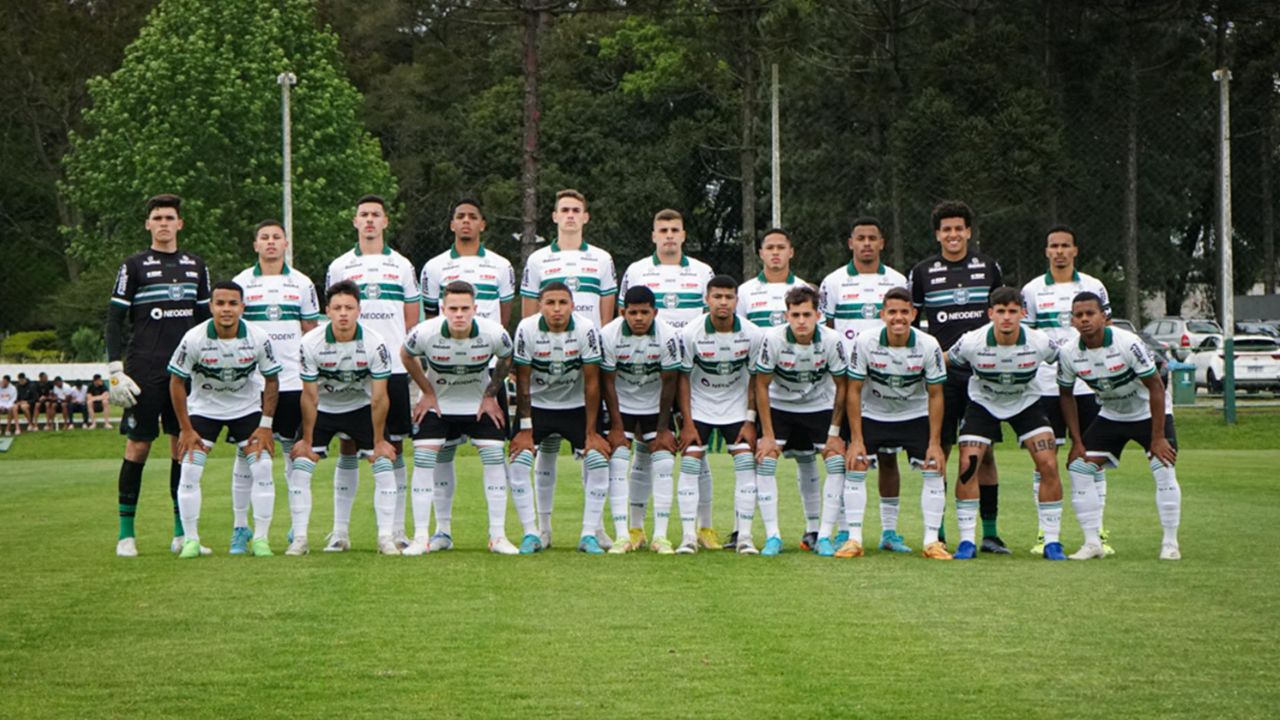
[
  {"x": 776, "y": 152},
  {"x": 287, "y": 80},
  {"x": 1227, "y": 286}
]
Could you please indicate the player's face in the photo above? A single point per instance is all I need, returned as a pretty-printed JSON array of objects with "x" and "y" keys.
[
  {"x": 343, "y": 312},
  {"x": 953, "y": 235},
  {"x": 1087, "y": 318},
  {"x": 897, "y": 316},
  {"x": 570, "y": 215},
  {"x": 803, "y": 319},
  {"x": 639, "y": 317},
  {"x": 1060, "y": 248},
  {"x": 866, "y": 243},
  {"x": 164, "y": 223},
  {"x": 1006, "y": 318},
  {"x": 776, "y": 252},
  {"x": 370, "y": 220},
  {"x": 270, "y": 243},
  {"x": 227, "y": 306},
  {"x": 556, "y": 308},
  {"x": 722, "y": 302},
  {"x": 668, "y": 237},
  {"x": 459, "y": 311},
  {"x": 467, "y": 222}
]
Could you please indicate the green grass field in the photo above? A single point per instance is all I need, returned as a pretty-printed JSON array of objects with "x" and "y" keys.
[{"x": 469, "y": 634}]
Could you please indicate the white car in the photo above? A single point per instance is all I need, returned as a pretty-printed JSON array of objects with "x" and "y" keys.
[{"x": 1257, "y": 363}]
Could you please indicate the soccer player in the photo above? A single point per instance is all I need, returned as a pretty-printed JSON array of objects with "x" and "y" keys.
[
  {"x": 220, "y": 358},
  {"x": 1003, "y": 358},
  {"x": 799, "y": 393},
  {"x": 950, "y": 289},
  {"x": 9, "y": 406},
  {"x": 494, "y": 281},
  {"x": 557, "y": 360},
  {"x": 894, "y": 400},
  {"x": 281, "y": 301},
  {"x": 459, "y": 399},
  {"x": 389, "y": 306},
  {"x": 1116, "y": 366},
  {"x": 162, "y": 292},
  {"x": 345, "y": 367},
  {"x": 1048, "y": 301},
  {"x": 717, "y": 394},
  {"x": 640, "y": 370},
  {"x": 851, "y": 298}
]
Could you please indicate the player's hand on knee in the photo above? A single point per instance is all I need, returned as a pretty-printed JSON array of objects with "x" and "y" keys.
[
  {"x": 123, "y": 390},
  {"x": 302, "y": 449},
  {"x": 521, "y": 442},
  {"x": 596, "y": 441},
  {"x": 665, "y": 440},
  {"x": 747, "y": 434},
  {"x": 689, "y": 437},
  {"x": 188, "y": 442},
  {"x": 934, "y": 459},
  {"x": 260, "y": 441},
  {"x": 833, "y": 446},
  {"x": 1077, "y": 452},
  {"x": 1164, "y": 451},
  {"x": 382, "y": 448},
  {"x": 766, "y": 447},
  {"x": 617, "y": 439}
]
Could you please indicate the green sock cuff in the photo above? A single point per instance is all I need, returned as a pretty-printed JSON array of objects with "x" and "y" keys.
[
  {"x": 989, "y": 527},
  {"x": 126, "y": 521},
  {"x": 177, "y": 524}
]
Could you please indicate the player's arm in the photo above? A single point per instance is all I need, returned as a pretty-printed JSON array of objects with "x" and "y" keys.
[
  {"x": 591, "y": 393},
  {"x": 410, "y": 315},
  {"x": 1161, "y": 448},
  {"x": 308, "y": 325},
  {"x": 378, "y": 407},
  {"x": 665, "y": 440},
  {"x": 766, "y": 446},
  {"x": 524, "y": 410},
  {"x": 504, "y": 311},
  {"x": 748, "y": 432},
  {"x": 608, "y": 309},
  {"x": 915, "y": 283},
  {"x": 188, "y": 439},
  {"x": 261, "y": 440},
  {"x": 307, "y": 404},
  {"x": 688, "y": 431},
  {"x": 427, "y": 401},
  {"x": 489, "y": 403},
  {"x": 528, "y": 306},
  {"x": 834, "y": 445},
  {"x": 122, "y": 389},
  {"x": 617, "y": 435},
  {"x": 856, "y": 453},
  {"x": 1071, "y": 418},
  {"x": 934, "y": 456}
]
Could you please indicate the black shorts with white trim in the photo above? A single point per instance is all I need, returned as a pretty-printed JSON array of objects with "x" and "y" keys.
[
  {"x": 238, "y": 430},
  {"x": 888, "y": 436},
  {"x": 981, "y": 426},
  {"x": 355, "y": 425},
  {"x": 801, "y": 431},
  {"x": 1087, "y": 408},
  {"x": 454, "y": 427},
  {"x": 1105, "y": 439}
]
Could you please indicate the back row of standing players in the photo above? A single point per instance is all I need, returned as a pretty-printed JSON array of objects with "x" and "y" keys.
[{"x": 757, "y": 363}]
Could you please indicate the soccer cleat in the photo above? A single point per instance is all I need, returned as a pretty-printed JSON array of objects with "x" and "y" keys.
[
  {"x": 624, "y": 547},
  {"x": 337, "y": 542},
  {"x": 841, "y": 538},
  {"x": 638, "y": 540},
  {"x": 1053, "y": 551},
  {"x": 530, "y": 544},
  {"x": 240, "y": 538},
  {"x": 603, "y": 540},
  {"x": 297, "y": 547},
  {"x": 662, "y": 546},
  {"x": 1106, "y": 543},
  {"x": 387, "y": 546},
  {"x": 1170, "y": 551},
  {"x": 966, "y": 551},
  {"x": 826, "y": 548},
  {"x": 190, "y": 549},
  {"x": 709, "y": 539},
  {"x": 127, "y": 547},
  {"x": 732, "y": 542},
  {"x": 808, "y": 541},
  {"x": 440, "y": 541},
  {"x": 400, "y": 539},
  {"x": 261, "y": 548},
  {"x": 688, "y": 546},
  {"x": 745, "y": 546},
  {"x": 544, "y": 536},
  {"x": 418, "y": 546},
  {"x": 890, "y": 540},
  {"x": 773, "y": 547},
  {"x": 590, "y": 545},
  {"x": 1038, "y": 548},
  {"x": 850, "y": 549},
  {"x": 176, "y": 545},
  {"x": 995, "y": 545},
  {"x": 937, "y": 551},
  {"x": 502, "y": 546},
  {"x": 1089, "y": 551}
]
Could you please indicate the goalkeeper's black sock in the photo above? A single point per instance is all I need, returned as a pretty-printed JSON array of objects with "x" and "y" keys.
[
  {"x": 175, "y": 477},
  {"x": 988, "y": 507},
  {"x": 130, "y": 484}
]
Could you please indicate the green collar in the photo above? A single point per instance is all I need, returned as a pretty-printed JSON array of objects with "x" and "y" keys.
[
  {"x": 1106, "y": 339},
  {"x": 444, "y": 329},
  {"x": 386, "y": 249},
  {"x": 991, "y": 336},
  {"x": 791, "y": 278},
  {"x": 1075, "y": 277},
  {"x": 453, "y": 251},
  {"x": 684, "y": 259},
  {"x": 884, "y": 337},
  {"x": 329, "y": 338},
  {"x": 817, "y": 335},
  {"x": 544, "y": 327},
  {"x": 555, "y": 246},
  {"x": 242, "y": 331},
  {"x": 737, "y": 324},
  {"x": 284, "y": 269},
  {"x": 853, "y": 269}
]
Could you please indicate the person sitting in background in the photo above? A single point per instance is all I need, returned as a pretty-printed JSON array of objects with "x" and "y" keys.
[
  {"x": 45, "y": 403},
  {"x": 9, "y": 407},
  {"x": 77, "y": 402},
  {"x": 61, "y": 403},
  {"x": 27, "y": 396},
  {"x": 97, "y": 398}
]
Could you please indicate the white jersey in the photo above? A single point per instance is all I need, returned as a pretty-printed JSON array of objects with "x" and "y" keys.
[
  {"x": 387, "y": 284},
  {"x": 61, "y": 393},
  {"x": 488, "y": 272},
  {"x": 895, "y": 380},
  {"x": 719, "y": 366},
  {"x": 344, "y": 371},
  {"x": 1115, "y": 372},
  {"x": 587, "y": 271},
  {"x": 679, "y": 290},
  {"x": 764, "y": 303},
  {"x": 222, "y": 371},
  {"x": 1049, "y": 310},
  {"x": 1003, "y": 379},
  {"x": 458, "y": 369},
  {"x": 638, "y": 362},
  {"x": 8, "y": 396},
  {"x": 557, "y": 360},
  {"x": 852, "y": 300},
  {"x": 803, "y": 375},
  {"x": 278, "y": 304}
]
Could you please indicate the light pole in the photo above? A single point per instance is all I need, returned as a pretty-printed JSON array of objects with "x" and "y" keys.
[{"x": 287, "y": 80}]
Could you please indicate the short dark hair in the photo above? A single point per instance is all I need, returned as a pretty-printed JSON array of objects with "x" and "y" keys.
[
  {"x": 1062, "y": 228},
  {"x": 554, "y": 286},
  {"x": 866, "y": 220},
  {"x": 639, "y": 295},
  {"x": 465, "y": 201},
  {"x": 371, "y": 198},
  {"x": 228, "y": 285},
  {"x": 96, "y": 376},
  {"x": 269, "y": 222},
  {"x": 1086, "y": 296},
  {"x": 898, "y": 293},
  {"x": 342, "y": 287},
  {"x": 724, "y": 282},
  {"x": 950, "y": 209},
  {"x": 772, "y": 231},
  {"x": 6, "y": 377},
  {"x": 1004, "y": 295},
  {"x": 668, "y": 215},
  {"x": 57, "y": 378},
  {"x": 800, "y": 295},
  {"x": 459, "y": 287},
  {"x": 572, "y": 194},
  {"x": 165, "y": 201}
]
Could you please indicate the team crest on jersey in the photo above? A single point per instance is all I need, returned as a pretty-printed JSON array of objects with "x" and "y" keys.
[
  {"x": 274, "y": 312},
  {"x": 777, "y": 317},
  {"x": 227, "y": 375},
  {"x": 1064, "y": 318},
  {"x": 869, "y": 310},
  {"x": 962, "y": 296},
  {"x": 724, "y": 368},
  {"x": 572, "y": 283},
  {"x": 895, "y": 381},
  {"x": 671, "y": 300},
  {"x": 372, "y": 291},
  {"x": 555, "y": 368},
  {"x": 804, "y": 376},
  {"x": 1104, "y": 384},
  {"x": 348, "y": 376},
  {"x": 1006, "y": 378},
  {"x": 175, "y": 292}
]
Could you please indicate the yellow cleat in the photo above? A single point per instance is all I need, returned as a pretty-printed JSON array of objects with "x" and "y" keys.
[
  {"x": 638, "y": 540},
  {"x": 710, "y": 539},
  {"x": 937, "y": 551},
  {"x": 662, "y": 546},
  {"x": 850, "y": 549},
  {"x": 1106, "y": 544}
]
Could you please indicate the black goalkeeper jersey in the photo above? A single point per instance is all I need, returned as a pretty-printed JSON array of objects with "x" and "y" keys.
[
  {"x": 164, "y": 296},
  {"x": 952, "y": 296}
]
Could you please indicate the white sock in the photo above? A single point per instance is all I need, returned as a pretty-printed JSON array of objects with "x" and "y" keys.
[
  {"x": 933, "y": 503},
  {"x": 189, "y": 494},
  {"x": 640, "y": 485},
  {"x": 286, "y": 447},
  {"x": 241, "y": 490},
  {"x": 808, "y": 482},
  {"x": 687, "y": 495},
  {"x": 346, "y": 482},
  {"x": 446, "y": 486},
  {"x": 1100, "y": 485},
  {"x": 1051, "y": 520},
  {"x": 855, "y": 502},
  {"x": 618, "y": 505},
  {"x": 384, "y": 496},
  {"x": 664, "y": 465},
  {"x": 832, "y": 491},
  {"x": 596, "y": 469},
  {"x": 1035, "y": 494},
  {"x": 704, "y": 519},
  {"x": 299, "y": 480},
  {"x": 493, "y": 465},
  {"x": 744, "y": 495},
  {"x": 889, "y": 507},
  {"x": 519, "y": 480},
  {"x": 967, "y": 519},
  {"x": 263, "y": 495},
  {"x": 767, "y": 495},
  {"x": 544, "y": 476},
  {"x": 1084, "y": 498},
  {"x": 402, "y": 494},
  {"x": 1168, "y": 499},
  {"x": 423, "y": 490}
]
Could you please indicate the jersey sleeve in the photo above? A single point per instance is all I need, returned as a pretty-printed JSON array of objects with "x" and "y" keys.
[
  {"x": 1029, "y": 304},
  {"x": 623, "y": 285},
  {"x": 672, "y": 352},
  {"x": 310, "y": 302},
  {"x": 935, "y": 369},
  {"x": 307, "y": 367},
  {"x": 502, "y": 343},
  {"x": 608, "y": 278},
  {"x": 857, "y": 361},
  {"x": 590, "y": 344},
  {"x": 126, "y": 285},
  {"x": 608, "y": 352},
  {"x": 1106, "y": 299},
  {"x": 765, "y": 358},
  {"x": 1138, "y": 358},
  {"x": 1066, "y": 373},
  {"x": 826, "y": 304},
  {"x": 837, "y": 361},
  {"x": 523, "y": 354},
  {"x": 409, "y": 282},
  {"x": 531, "y": 279},
  {"x": 430, "y": 291},
  {"x": 184, "y": 358},
  {"x": 268, "y": 363},
  {"x": 412, "y": 340},
  {"x": 380, "y": 361},
  {"x": 686, "y": 336},
  {"x": 506, "y": 283},
  {"x": 997, "y": 275},
  {"x": 958, "y": 355},
  {"x": 203, "y": 288}
]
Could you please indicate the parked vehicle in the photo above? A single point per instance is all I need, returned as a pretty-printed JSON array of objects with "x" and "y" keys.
[
  {"x": 1258, "y": 327},
  {"x": 1183, "y": 335},
  {"x": 1257, "y": 362}
]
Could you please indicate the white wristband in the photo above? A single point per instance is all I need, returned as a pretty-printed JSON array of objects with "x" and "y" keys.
[
  {"x": 751, "y": 416},
  {"x": 833, "y": 431},
  {"x": 265, "y": 422},
  {"x": 526, "y": 423}
]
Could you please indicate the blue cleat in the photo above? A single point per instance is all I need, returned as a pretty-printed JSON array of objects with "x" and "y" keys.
[
  {"x": 966, "y": 551},
  {"x": 530, "y": 544},
  {"x": 1053, "y": 551},
  {"x": 842, "y": 537},
  {"x": 825, "y": 548},
  {"x": 772, "y": 547},
  {"x": 590, "y": 545},
  {"x": 240, "y": 538},
  {"x": 890, "y": 540}
]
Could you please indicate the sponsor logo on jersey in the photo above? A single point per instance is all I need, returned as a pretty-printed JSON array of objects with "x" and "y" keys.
[
  {"x": 150, "y": 261},
  {"x": 154, "y": 273},
  {"x": 175, "y": 292},
  {"x": 962, "y": 296},
  {"x": 158, "y": 314},
  {"x": 184, "y": 260},
  {"x": 962, "y": 315}
]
